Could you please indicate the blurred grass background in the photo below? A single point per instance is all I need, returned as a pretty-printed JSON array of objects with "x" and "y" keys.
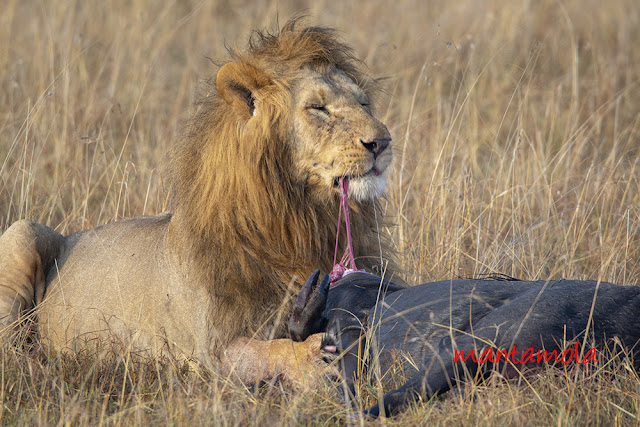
[{"x": 516, "y": 130}]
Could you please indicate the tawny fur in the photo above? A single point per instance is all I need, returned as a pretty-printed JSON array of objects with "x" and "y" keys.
[{"x": 253, "y": 213}]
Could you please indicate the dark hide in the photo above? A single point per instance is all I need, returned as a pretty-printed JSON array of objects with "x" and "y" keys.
[{"x": 430, "y": 321}]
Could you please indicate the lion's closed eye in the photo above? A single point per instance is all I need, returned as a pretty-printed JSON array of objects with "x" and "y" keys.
[{"x": 319, "y": 108}]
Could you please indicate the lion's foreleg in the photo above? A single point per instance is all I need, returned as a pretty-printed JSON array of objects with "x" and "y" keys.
[
  {"x": 253, "y": 360},
  {"x": 27, "y": 251}
]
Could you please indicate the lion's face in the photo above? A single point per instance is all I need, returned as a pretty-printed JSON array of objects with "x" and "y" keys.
[{"x": 336, "y": 135}]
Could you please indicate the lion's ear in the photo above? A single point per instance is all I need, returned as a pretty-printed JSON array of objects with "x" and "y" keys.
[{"x": 237, "y": 84}]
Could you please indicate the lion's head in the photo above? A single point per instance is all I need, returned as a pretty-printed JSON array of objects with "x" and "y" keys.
[
  {"x": 255, "y": 181},
  {"x": 306, "y": 81}
]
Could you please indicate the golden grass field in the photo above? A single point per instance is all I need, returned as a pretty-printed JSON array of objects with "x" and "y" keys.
[{"x": 516, "y": 126}]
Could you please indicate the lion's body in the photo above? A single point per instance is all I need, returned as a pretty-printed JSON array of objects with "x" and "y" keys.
[
  {"x": 254, "y": 211},
  {"x": 104, "y": 280}
]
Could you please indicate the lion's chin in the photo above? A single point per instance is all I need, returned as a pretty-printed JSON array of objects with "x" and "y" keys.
[{"x": 365, "y": 188}]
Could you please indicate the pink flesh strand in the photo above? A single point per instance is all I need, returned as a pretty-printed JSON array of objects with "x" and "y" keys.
[
  {"x": 335, "y": 253},
  {"x": 344, "y": 183},
  {"x": 339, "y": 269}
]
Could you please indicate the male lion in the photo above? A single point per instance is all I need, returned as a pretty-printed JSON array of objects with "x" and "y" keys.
[{"x": 254, "y": 208}]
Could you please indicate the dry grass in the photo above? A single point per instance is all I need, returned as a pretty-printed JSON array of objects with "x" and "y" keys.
[{"x": 517, "y": 129}]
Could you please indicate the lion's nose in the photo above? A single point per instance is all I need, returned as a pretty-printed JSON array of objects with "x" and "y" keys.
[{"x": 377, "y": 145}]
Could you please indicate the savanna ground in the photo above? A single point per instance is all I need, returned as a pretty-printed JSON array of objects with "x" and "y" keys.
[{"x": 517, "y": 132}]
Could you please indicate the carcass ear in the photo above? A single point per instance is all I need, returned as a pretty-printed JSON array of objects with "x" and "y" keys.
[{"x": 237, "y": 84}]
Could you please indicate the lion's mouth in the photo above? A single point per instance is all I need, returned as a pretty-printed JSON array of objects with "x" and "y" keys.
[{"x": 373, "y": 171}]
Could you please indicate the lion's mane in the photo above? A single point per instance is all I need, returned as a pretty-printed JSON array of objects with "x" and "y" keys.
[{"x": 245, "y": 224}]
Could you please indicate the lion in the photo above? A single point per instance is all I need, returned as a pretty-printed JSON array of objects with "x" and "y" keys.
[{"x": 253, "y": 211}]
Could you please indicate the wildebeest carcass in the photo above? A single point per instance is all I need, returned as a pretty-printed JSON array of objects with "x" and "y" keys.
[{"x": 451, "y": 327}]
